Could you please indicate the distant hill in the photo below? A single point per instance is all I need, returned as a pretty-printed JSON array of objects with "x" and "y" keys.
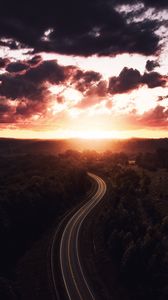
[{"x": 16, "y": 146}]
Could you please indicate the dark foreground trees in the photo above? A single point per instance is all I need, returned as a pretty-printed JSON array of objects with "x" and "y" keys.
[
  {"x": 136, "y": 235},
  {"x": 34, "y": 191}
]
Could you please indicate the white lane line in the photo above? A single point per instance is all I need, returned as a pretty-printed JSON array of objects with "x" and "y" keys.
[
  {"x": 61, "y": 249},
  {"x": 69, "y": 256},
  {"x": 81, "y": 213},
  {"x": 77, "y": 237},
  {"x": 78, "y": 230},
  {"x": 52, "y": 253}
]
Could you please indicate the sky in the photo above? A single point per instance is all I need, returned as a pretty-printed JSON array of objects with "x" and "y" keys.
[{"x": 84, "y": 68}]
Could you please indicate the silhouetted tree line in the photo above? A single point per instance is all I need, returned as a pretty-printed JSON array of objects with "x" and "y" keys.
[
  {"x": 34, "y": 191},
  {"x": 136, "y": 235},
  {"x": 12, "y": 146},
  {"x": 153, "y": 161}
]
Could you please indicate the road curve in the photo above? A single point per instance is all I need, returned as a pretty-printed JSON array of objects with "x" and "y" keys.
[{"x": 74, "y": 279}]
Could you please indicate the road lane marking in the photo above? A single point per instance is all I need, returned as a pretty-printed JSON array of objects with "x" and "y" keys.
[{"x": 79, "y": 217}]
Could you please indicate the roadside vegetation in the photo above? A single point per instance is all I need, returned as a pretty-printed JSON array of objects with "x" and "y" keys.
[
  {"x": 34, "y": 191},
  {"x": 136, "y": 225}
]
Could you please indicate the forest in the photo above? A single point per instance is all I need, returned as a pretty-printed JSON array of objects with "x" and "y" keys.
[
  {"x": 135, "y": 227},
  {"x": 37, "y": 189}
]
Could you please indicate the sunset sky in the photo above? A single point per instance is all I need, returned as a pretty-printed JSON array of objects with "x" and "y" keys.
[{"x": 88, "y": 69}]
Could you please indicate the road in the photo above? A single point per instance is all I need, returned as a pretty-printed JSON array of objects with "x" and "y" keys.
[
  {"x": 73, "y": 275},
  {"x": 74, "y": 280}
]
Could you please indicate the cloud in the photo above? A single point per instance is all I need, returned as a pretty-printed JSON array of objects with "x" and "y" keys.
[
  {"x": 156, "y": 3},
  {"x": 31, "y": 84},
  {"x": 151, "y": 65},
  {"x": 14, "y": 87},
  {"x": 35, "y": 60},
  {"x": 154, "y": 79},
  {"x": 4, "y": 108},
  {"x": 130, "y": 79},
  {"x": 157, "y": 117},
  {"x": 127, "y": 80},
  {"x": 87, "y": 77},
  {"x": 77, "y": 28},
  {"x": 30, "y": 89},
  {"x": 23, "y": 111},
  {"x": 25, "y": 94},
  {"x": 94, "y": 95},
  {"x": 84, "y": 80},
  {"x": 4, "y": 62},
  {"x": 10, "y": 43},
  {"x": 88, "y": 102},
  {"x": 161, "y": 98},
  {"x": 49, "y": 71},
  {"x": 100, "y": 89},
  {"x": 148, "y": 3},
  {"x": 6, "y": 111},
  {"x": 16, "y": 67},
  {"x": 27, "y": 108}
]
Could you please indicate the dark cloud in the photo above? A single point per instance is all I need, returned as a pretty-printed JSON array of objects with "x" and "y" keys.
[
  {"x": 127, "y": 80},
  {"x": 23, "y": 110},
  {"x": 16, "y": 67},
  {"x": 78, "y": 27},
  {"x": 151, "y": 65},
  {"x": 4, "y": 62},
  {"x": 106, "y": 38},
  {"x": 4, "y": 108},
  {"x": 156, "y": 3},
  {"x": 31, "y": 84},
  {"x": 130, "y": 79},
  {"x": 87, "y": 77},
  {"x": 27, "y": 108},
  {"x": 13, "y": 87},
  {"x": 154, "y": 79},
  {"x": 84, "y": 80},
  {"x": 6, "y": 112},
  {"x": 35, "y": 60},
  {"x": 30, "y": 88},
  {"x": 161, "y": 98},
  {"x": 46, "y": 71}
]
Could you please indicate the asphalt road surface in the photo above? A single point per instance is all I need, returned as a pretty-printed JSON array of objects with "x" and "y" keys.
[{"x": 74, "y": 279}]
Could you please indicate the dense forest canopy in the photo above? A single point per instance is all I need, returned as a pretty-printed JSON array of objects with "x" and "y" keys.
[
  {"x": 37, "y": 189},
  {"x": 34, "y": 191}
]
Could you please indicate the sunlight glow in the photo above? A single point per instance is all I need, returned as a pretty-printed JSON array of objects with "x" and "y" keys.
[
  {"x": 65, "y": 134},
  {"x": 94, "y": 134},
  {"x": 70, "y": 94}
]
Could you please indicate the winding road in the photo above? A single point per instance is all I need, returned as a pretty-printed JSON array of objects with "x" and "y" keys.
[{"x": 73, "y": 275}]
